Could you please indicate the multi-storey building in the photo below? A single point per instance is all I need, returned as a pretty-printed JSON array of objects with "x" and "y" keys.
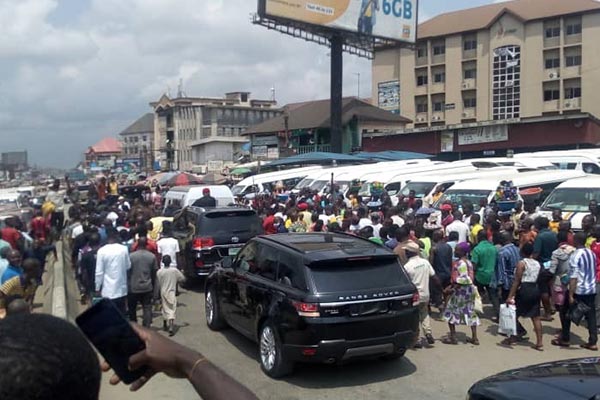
[
  {"x": 511, "y": 75},
  {"x": 137, "y": 143},
  {"x": 197, "y": 130}
]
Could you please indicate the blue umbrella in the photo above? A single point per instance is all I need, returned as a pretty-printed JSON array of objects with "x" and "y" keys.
[{"x": 425, "y": 211}]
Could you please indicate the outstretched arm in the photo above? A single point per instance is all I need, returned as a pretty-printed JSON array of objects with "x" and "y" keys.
[{"x": 177, "y": 361}]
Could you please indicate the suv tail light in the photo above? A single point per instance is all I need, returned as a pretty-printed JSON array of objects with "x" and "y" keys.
[
  {"x": 307, "y": 309},
  {"x": 202, "y": 242},
  {"x": 415, "y": 299}
]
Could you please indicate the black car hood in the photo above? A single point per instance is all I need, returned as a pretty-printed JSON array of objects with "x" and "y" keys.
[{"x": 565, "y": 380}]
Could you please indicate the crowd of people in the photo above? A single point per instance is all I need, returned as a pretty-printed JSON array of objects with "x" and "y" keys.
[{"x": 460, "y": 259}]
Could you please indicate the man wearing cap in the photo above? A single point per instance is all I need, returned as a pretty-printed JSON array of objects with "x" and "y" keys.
[
  {"x": 420, "y": 272},
  {"x": 206, "y": 200}
]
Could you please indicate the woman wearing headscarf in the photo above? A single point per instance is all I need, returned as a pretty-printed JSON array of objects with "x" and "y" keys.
[{"x": 461, "y": 303}]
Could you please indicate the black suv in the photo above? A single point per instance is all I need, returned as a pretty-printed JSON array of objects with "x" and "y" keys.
[
  {"x": 209, "y": 234},
  {"x": 315, "y": 297}
]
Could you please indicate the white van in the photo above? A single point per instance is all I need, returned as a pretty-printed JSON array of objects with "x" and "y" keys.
[
  {"x": 568, "y": 159},
  {"x": 521, "y": 163},
  {"x": 573, "y": 198},
  {"x": 184, "y": 196},
  {"x": 485, "y": 188},
  {"x": 267, "y": 181},
  {"x": 425, "y": 184}
]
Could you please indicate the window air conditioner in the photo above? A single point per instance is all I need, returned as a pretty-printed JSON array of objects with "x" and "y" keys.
[{"x": 568, "y": 104}]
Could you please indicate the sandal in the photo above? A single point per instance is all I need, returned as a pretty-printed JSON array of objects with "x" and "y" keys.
[
  {"x": 538, "y": 348},
  {"x": 449, "y": 340},
  {"x": 474, "y": 342},
  {"x": 509, "y": 341},
  {"x": 591, "y": 347},
  {"x": 560, "y": 343}
]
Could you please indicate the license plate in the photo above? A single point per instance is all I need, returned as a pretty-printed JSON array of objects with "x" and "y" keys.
[
  {"x": 234, "y": 251},
  {"x": 357, "y": 310}
]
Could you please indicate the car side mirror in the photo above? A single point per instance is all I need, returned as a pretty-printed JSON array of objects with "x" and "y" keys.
[{"x": 227, "y": 262}]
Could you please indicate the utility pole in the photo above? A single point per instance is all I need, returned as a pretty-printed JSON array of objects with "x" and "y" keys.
[
  {"x": 337, "y": 69},
  {"x": 358, "y": 81}
]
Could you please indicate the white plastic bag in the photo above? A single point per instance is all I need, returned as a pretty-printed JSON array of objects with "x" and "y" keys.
[
  {"x": 508, "y": 320},
  {"x": 478, "y": 302}
]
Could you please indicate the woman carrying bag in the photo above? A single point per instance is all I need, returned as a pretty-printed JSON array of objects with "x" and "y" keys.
[{"x": 526, "y": 295}]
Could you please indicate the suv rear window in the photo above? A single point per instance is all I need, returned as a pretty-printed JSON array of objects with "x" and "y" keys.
[
  {"x": 231, "y": 221},
  {"x": 358, "y": 274}
]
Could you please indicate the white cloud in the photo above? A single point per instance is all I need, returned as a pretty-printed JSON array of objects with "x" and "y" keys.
[{"x": 76, "y": 83}]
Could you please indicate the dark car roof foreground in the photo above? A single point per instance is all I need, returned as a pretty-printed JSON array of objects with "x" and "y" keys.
[
  {"x": 328, "y": 246},
  {"x": 574, "y": 379}
]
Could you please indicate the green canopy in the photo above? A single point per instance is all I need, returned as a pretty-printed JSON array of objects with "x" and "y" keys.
[{"x": 240, "y": 171}]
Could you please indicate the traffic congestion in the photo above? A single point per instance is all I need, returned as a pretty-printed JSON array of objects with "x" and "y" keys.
[{"x": 327, "y": 265}]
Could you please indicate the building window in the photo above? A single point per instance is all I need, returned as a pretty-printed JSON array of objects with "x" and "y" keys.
[
  {"x": 470, "y": 103},
  {"x": 439, "y": 49},
  {"x": 574, "y": 29},
  {"x": 506, "y": 102},
  {"x": 470, "y": 44},
  {"x": 572, "y": 61},
  {"x": 145, "y": 138},
  {"x": 421, "y": 52},
  {"x": 572, "y": 93},
  {"x": 421, "y": 80},
  {"x": 439, "y": 77},
  {"x": 422, "y": 108},
  {"x": 552, "y": 94},
  {"x": 552, "y": 32},
  {"x": 438, "y": 106},
  {"x": 552, "y": 63},
  {"x": 470, "y": 73}
]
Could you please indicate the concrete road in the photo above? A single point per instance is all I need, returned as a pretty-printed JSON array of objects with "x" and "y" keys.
[{"x": 441, "y": 372}]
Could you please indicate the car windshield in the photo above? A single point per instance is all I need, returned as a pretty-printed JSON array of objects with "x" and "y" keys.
[
  {"x": 231, "y": 222},
  {"x": 459, "y": 197},
  {"x": 237, "y": 189},
  {"x": 421, "y": 189},
  {"x": 571, "y": 199},
  {"x": 304, "y": 183},
  {"x": 359, "y": 274},
  {"x": 318, "y": 185}
]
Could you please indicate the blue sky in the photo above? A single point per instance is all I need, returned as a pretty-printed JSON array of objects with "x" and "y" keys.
[{"x": 76, "y": 71}]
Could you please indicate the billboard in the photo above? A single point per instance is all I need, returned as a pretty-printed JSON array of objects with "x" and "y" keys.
[
  {"x": 14, "y": 159},
  {"x": 386, "y": 19},
  {"x": 388, "y": 96}
]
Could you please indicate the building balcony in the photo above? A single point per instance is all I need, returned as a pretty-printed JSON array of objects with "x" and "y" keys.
[
  {"x": 571, "y": 72},
  {"x": 551, "y": 106},
  {"x": 438, "y": 116},
  {"x": 572, "y": 39},
  {"x": 469, "y": 113},
  {"x": 421, "y": 118},
  {"x": 438, "y": 59},
  {"x": 420, "y": 61},
  {"x": 469, "y": 54},
  {"x": 551, "y": 42},
  {"x": 439, "y": 87},
  {"x": 469, "y": 84},
  {"x": 421, "y": 90},
  {"x": 572, "y": 104},
  {"x": 312, "y": 148}
]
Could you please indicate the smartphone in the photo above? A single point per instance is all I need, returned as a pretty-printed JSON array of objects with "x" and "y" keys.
[{"x": 113, "y": 336}]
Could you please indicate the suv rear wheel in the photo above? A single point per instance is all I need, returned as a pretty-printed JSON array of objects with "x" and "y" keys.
[
  {"x": 214, "y": 319},
  {"x": 272, "y": 361}
]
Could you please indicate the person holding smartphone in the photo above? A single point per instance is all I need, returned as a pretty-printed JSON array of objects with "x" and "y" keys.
[{"x": 46, "y": 357}]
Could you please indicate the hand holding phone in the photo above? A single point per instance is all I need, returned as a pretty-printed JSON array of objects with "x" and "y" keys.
[{"x": 109, "y": 331}]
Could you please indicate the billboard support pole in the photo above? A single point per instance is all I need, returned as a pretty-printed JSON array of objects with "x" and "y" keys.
[{"x": 337, "y": 69}]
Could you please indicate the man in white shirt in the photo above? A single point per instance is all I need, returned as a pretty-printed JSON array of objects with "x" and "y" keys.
[
  {"x": 363, "y": 221},
  {"x": 376, "y": 223},
  {"x": 167, "y": 245},
  {"x": 112, "y": 264},
  {"x": 459, "y": 227}
]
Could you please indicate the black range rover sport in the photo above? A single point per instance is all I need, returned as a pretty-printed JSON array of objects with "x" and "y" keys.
[{"x": 314, "y": 297}]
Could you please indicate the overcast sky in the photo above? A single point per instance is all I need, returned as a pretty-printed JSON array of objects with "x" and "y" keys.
[{"x": 75, "y": 71}]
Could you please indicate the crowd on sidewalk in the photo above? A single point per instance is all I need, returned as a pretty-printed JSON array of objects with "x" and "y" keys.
[{"x": 460, "y": 259}]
